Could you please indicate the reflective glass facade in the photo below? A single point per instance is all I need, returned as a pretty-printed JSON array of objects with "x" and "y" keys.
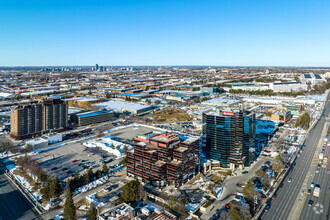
[{"x": 229, "y": 138}]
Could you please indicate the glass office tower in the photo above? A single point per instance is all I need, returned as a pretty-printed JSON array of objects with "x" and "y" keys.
[{"x": 229, "y": 136}]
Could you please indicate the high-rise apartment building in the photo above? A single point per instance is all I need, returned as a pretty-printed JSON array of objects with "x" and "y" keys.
[
  {"x": 46, "y": 115},
  {"x": 229, "y": 136},
  {"x": 163, "y": 158}
]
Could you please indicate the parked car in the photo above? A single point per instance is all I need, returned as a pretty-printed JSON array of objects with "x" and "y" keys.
[
  {"x": 267, "y": 208},
  {"x": 309, "y": 191},
  {"x": 245, "y": 172}
]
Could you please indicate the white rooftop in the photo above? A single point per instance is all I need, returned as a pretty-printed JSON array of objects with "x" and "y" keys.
[{"x": 117, "y": 105}]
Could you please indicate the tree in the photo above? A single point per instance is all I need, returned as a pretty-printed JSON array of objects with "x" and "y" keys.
[
  {"x": 92, "y": 214},
  {"x": 234, "y": 214},
  {"x": 124, "y": 161},
  {"x": 266, "y": 183},
  {"x": 244, "y": 210},
  {"x": 105, "y": 169},
  {"x": 145, "y": 198},
  {"x": 98, "y": 174},
  {"x": 89, "y": 175},
  {"x": 56, "y": 187},
  {"x": 248, "y": 190},
  {"x": 69, "y": 207},
  {"x": 46, "y": 191},
  {"x": 260, "y": 172},
  {"x": 130, "y": 191}
]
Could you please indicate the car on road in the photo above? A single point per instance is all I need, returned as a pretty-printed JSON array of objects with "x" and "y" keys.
[
  {"x": 317, "y": 171},
  {"x": 274, "y": 196},
  {"x": 310, "y": 203},
  {"x": 281, "y": 185},
  {"x": 227, "y": 206},
  {"x": 312, "y": 185},
  {"x": 309, "y": 191},
  {"x": 245, "y": 172},
  {"x": 74, "y": 161},
  {"x": 290, "y": 180},
  {"x": 298, "y": 155},
  {"x": 263, "y": 196},
  {"x": 328, "y": 171},
  {"x": 64, "y": 169},
  {"x": 54, "y": 168},
  {"x": 267, "y": 208}
]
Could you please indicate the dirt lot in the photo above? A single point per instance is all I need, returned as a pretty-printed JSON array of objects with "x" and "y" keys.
[{"x": 170, "y": 115}]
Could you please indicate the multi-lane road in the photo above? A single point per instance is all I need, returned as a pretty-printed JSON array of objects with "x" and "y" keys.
[
  {"x": 13, "y": 205},
  {"x": 302, "y": 174},
  {"x": 320, "y": 208}
]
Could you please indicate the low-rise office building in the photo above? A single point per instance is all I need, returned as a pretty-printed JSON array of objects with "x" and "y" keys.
[
  {"x": 288, "y": 86},
  {"x": 93, "y": 117}
]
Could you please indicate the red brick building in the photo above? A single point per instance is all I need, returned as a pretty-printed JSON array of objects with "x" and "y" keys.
[{"x": 163, "y": 158}]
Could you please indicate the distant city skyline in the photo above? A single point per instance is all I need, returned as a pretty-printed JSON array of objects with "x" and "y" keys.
[{"x": 165, "y": 33}]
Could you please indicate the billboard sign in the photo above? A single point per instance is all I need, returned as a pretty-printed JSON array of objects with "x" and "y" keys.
[{"x": 228, "y": 113}]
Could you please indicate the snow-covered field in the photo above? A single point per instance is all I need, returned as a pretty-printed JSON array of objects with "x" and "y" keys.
[
  {"x": 113, "y": 147},
  {"x": 94, "y": 201},
  {"x": 92, "y": 185}
]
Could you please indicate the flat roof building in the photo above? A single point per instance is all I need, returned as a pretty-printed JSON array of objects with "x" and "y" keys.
[
  {"x": 229, "y": 136},
  {"x": 92, "y": 117},
  {"x": 46, "y": 115}
]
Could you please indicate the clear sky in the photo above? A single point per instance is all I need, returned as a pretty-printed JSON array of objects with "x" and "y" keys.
[{"x": 165, "y": 32}]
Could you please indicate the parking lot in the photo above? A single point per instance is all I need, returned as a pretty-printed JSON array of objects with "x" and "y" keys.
[{"x": 66, "y": 160}]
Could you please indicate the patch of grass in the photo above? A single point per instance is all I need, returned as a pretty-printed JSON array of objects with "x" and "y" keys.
[
  {"x": 28, "y": 178},
  {"x": 171, "y": 115},
  {"x": 216, "y": 179},
  {"x": 225, "y": 173},
  {"x": 207, "y": 204}
]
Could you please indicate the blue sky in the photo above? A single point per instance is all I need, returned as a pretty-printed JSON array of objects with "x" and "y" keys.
[{"x": 165, "y": 32}]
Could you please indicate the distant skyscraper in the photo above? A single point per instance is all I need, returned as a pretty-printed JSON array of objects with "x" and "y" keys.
[
  {"x": 96, "y": 67},
  {"x": 229, "y": 136},
  {"x": 47, "y": 114}
]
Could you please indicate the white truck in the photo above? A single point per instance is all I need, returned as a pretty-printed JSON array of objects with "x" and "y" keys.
[
  {"x": 321, "y": 156},
  {"x": 316, "y": 191}
]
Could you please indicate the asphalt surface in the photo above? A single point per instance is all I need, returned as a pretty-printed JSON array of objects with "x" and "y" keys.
[
  {"x": 320, "y": 208},
  {"x": 287, "y": 194},
  {"x": 232, "y": 186},
  {"x": 13, "y": 205}
]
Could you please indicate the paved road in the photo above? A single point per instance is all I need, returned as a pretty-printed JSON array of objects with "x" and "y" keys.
[
  {"x": 320, "y": 209},
  {"x": 232, "y": 185},
  {"x": 287, "y": 195},
  {"x": 13, "y": 205}
]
